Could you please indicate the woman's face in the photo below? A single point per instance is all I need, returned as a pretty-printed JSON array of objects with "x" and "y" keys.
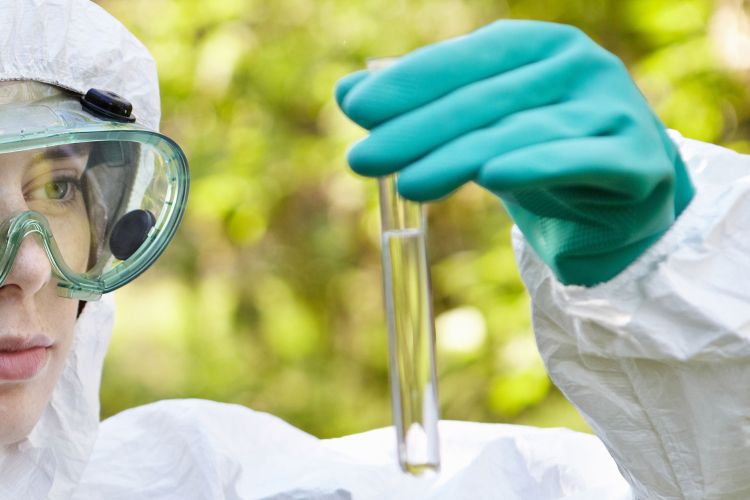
[{"x": 36, "y": 325}]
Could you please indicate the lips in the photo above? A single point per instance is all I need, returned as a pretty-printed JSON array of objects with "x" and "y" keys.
[{"x": 23, "y": 358}]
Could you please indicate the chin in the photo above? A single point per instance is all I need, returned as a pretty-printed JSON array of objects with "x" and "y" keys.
[{"x": 21, "y": 406}]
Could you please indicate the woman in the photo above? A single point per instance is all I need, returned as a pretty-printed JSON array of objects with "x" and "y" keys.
[{"x": 89, "y": 196}]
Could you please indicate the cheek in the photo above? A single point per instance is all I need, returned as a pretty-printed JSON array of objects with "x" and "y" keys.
[
  {"x": 73, "y": 238},
  {"x": 58, "y": 317},
  {"x": 59, "y": 314}
]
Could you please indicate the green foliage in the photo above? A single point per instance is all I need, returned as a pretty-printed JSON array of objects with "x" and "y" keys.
[{"x": 270, "y": 295}]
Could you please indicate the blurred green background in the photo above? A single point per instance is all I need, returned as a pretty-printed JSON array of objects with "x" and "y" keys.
[{"x": 270, "y": 296}]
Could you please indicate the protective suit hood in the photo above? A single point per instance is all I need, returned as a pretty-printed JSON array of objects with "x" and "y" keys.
[{"x": 76, "y": 45}]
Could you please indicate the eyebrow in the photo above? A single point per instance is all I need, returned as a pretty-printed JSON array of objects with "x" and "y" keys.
[{"x": 64, "y": 151}]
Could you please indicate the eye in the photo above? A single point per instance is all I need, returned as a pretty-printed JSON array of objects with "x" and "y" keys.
[{"x": 57, "y": 190}]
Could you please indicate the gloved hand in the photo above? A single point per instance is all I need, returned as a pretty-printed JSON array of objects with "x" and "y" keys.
[{"x": 543, "y": 117}]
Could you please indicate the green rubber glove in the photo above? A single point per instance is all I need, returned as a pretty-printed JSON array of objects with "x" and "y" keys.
[{"x": 540, "y": 115}]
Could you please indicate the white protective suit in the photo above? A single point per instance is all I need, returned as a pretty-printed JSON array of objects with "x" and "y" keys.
[{"x": 646, "y": 357}]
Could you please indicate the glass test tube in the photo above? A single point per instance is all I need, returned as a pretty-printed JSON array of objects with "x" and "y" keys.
[{"x": 411, "y": 326}]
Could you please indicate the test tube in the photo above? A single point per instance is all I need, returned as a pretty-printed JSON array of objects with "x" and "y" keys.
[{"x": 411, "y": 326}]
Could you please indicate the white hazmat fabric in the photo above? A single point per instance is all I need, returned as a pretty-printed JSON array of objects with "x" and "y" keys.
[
  {"x": 194, "y": 449},
  {"x": 77, "y": 45},
  {"x": 656, "y": 359}
]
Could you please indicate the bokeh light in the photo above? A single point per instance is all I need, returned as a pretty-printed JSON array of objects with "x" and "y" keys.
[{"x": 270, "y": 295}]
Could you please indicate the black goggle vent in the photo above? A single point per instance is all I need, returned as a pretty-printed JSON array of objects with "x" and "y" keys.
[
  {"x": 106, "y": 104},
  {"x": 130, "y": 233}
]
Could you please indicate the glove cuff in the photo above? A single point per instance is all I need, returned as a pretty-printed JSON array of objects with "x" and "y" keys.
[{"x": 590, "y": 270}]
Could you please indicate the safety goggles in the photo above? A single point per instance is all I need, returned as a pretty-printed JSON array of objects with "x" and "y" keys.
[{"x": 102, "y": 195}]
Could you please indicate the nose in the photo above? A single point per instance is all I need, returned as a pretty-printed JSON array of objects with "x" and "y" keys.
[{"x": 31, "y": 269}]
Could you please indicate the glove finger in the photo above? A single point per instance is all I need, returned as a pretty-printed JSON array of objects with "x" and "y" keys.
[
  {"x": 613, "y": 163},
  {"x": 447, "y": 168},
  {"x": 347, "y": 83},
  {"x": 404, "y": 140},
  {"x": 436, "y": 70}
]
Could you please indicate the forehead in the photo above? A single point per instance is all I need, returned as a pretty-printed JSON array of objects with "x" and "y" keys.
[
  {"x": 69, "y": 156},
  {"x": 13, "y": 165}
]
